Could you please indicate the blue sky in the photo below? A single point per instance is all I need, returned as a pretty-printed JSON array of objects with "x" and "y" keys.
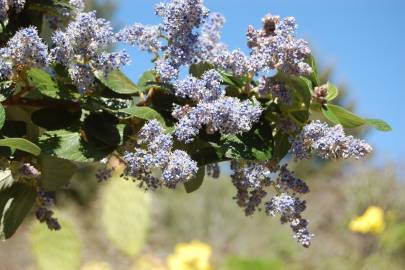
[{"x": 362, "y": 39}]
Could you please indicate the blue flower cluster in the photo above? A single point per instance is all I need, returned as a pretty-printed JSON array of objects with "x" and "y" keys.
[
  {"x": 6, "y": 5},
  {"x": 252, "y": 179},
  {"x": 214, "y": 110},
  {"x": 147, "y": 37},
  {"x": 175, "y": 167},
  {"x": 209, "y": 40},
  {"x": 23, "y": 51},
  {"x": 179, "y": 20},
  {"x": 277, "y": 91},
  {"x": 83, "y": 47},
  {"x": 275, "y": 47},
  {"x": 327, "y": 142},
  {"x": 290, "y": 209}
]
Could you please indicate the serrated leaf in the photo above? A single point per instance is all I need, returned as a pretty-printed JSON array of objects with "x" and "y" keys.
[
  {"x": 15, "y": 204},
  {"x": 333, "y": 92},
  {"x": 379, "y": 124},
  {"x": 196, "y": 182},
  {"x": 53, "y": 250},
  {"x": 2, "y": 116},
  {"x": 6, "y": 179},
  {"x": 56, "y": 172},
  {"x": 21, "y": 144},
  {"x": 118, "y": 82},
  {"x": 339, "y": 115},
  {"x": 144, "y": 113}
]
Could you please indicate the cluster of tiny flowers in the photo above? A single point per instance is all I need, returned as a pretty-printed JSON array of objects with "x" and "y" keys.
[
  {"x": 180, "y": 18},
  {"x": 209, "y": 39},
  {"x": 176, "y": 166},
  {"x": 290, "y": 209},
  {"x": 214, "y": 110},
  {"x": 275, "y": 47},
  {"x": 235, "y": 62},
  {"x": 23, "y": 51},
  {"x": 43, "y": 214},
  {"x": 83, "y": 46},
  {"x": 278, "y": 91},
  {"x": 147, "y": 37},
  {"x": 327, "y": 142},
  {"x": 6, "y": 5},
  {"x": 252, "y": 179}
]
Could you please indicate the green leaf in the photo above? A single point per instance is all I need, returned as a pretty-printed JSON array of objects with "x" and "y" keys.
[
  {"x": 379, "y": 124},
  {"x": 6, "y": 179},
  {"x": 60, "y": 249},
  {"x": 333, "y": 92},
  {"x": 300, "y": 116},
  {"x": 103, "y": 128},
  {"x": 15, "y": 204},
  {"x": 69, "y": 145},
  {"x": 118, "y": 82},
  {"x": 43, "y": 81},
  {"x": 196, "y": 182},
  {"x": 314, "y": 76},
  {"x": 144, "y": 113},
  {"x": 54, "y": 118},
  {"x": 56, "y": 172},
  {"x": 21, "y": 144},
  {"x": 303, "y": 86},
  {"x": 46, "y": 85},
  {"x": 146, "y": 80},
  {"x": 339, "y": 115},
  {"x": 2, "y": 116},
  {"x": 281, "y": 145},
  {"x": 197, "y": 70}
]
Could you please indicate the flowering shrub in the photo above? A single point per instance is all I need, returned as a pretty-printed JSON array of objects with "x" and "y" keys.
[
  {"x": 190, "y": 256},
  {"x": 372, "y": 221},
  {"x": 64, "y": 103}
]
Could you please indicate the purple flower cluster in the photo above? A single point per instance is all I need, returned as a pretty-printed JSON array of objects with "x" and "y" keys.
[
  {"x": 175, "y": 167},
  {"x": 83, "y": 46},
  {"x": 23, "y": 51},
  {"x": 214, "y": 110},
  {"x": 275, "y": 47},
  {"x": 6, "y": 5},
  {"x": 327, "y": 142},
  {"x": 277, "y": 91},
  {"x": 209, "y": 40},
  {"x": 43, "y": 214},
  {"x": 179, "y": 20},
  {"x": 290, "y": 209},
  {"x": 252, "y": 180},
  {"x": 145, "y": 36}
]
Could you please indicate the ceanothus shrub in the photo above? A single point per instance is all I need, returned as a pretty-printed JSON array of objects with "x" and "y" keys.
[{"x": 65, "y": 103}]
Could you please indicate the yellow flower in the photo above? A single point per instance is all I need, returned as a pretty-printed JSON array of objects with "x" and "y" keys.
[
  {"x": 96, "y": 266},
  {"x": 372, "y": 221},
  {"x": 192, "y": 256},
  {"x": 148, "y": 262}
]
